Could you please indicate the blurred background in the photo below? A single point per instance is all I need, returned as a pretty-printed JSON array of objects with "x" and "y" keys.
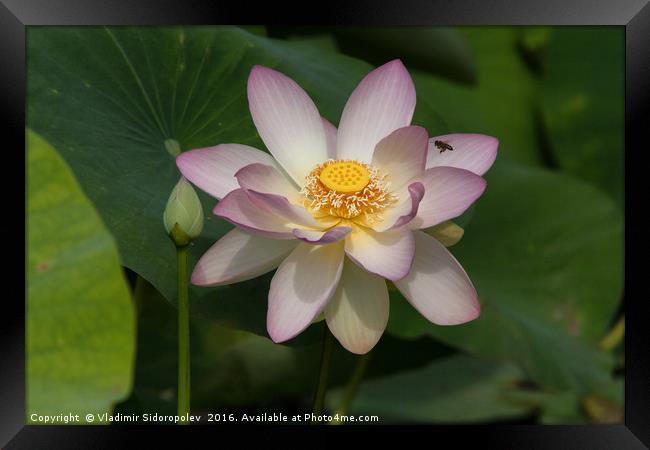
[{"x": 110, "y": 108}]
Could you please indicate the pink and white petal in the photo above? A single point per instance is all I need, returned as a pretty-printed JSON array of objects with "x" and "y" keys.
[
  {"x": 405, "y": 210},
  {"x": 383, "y": 102},
  {"x": 437, "y": 286},
  {"x": 448, "y": 192},
  {"x": 301, "y": 287},
  {"x": 330, "y": 138},
  {"x": 212, "y": 169},
  {"x": 402, "y": 155},
  {"x": 238, "y": 209},
  {"x": 279, "y": 206},
  {"x": 287, "y": 121},
  {"x": 473, "y": 152},
  {"x": 266, "y": 179},
  {"x": 388, "y": 254},
  {"x": 322, "y": 237},
  {"x": 358, "y": 312},
  {"x": 240, "y": 256}
]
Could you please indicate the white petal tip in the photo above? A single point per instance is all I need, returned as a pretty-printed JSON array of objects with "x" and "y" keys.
[
  {"x": 197, "y": 280},
  {"x": 359, "y": 352},
  {"x": 280, "y": 337},
  {"x": 359, "y": 349},
  {"x": 474, "y": 314}
]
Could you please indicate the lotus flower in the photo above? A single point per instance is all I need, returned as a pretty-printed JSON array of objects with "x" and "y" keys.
[{"x": 338, "y": 212}]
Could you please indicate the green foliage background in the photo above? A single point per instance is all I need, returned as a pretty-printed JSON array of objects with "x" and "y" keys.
[{"x": 544, "y": 245}]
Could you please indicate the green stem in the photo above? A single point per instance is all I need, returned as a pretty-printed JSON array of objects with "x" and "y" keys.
[
  {"x": 326, "y": 353},
  {"x": 614, "y": 336},
  {"x": 352, "y": 387},
  {"x": 183, "y": 335}
]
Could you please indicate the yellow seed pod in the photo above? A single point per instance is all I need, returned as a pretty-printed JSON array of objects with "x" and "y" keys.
[{"x": 345, "y": 176}]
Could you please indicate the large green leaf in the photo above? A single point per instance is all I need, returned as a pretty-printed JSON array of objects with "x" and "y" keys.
[
  {"x": 545, "y": 253},
  {"x": 452, "y": 390},
  {"x": 80, "y": 320},
  {"x": 583, "y": 103},
  {"x": 461, "y": 388},
  {"x": 119, "y": 103},
  {"x": 500, "y": 104},
  {"x": 441, "y": 51}
]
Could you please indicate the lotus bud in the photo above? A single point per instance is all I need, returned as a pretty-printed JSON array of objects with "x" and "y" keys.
[
  {"x": 183, "y": 217},
  {"x": 448, "y": 233}
]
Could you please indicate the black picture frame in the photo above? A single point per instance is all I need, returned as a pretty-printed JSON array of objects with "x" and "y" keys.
[{"x": 634, "y": 15}]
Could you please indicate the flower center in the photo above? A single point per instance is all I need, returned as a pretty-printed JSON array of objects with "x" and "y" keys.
[
  {"x": 345, "y": 176},
  {"x": 347, "y": 189}
]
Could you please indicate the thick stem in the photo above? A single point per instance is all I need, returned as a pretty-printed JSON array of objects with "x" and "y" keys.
[
  {"x": 326, "y": 353},
  {"x": 183, "y": 335},
  {"x": 352, "y": 387}
]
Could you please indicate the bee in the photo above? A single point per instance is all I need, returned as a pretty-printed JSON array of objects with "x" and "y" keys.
[{"x": 442, "y": 145}]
